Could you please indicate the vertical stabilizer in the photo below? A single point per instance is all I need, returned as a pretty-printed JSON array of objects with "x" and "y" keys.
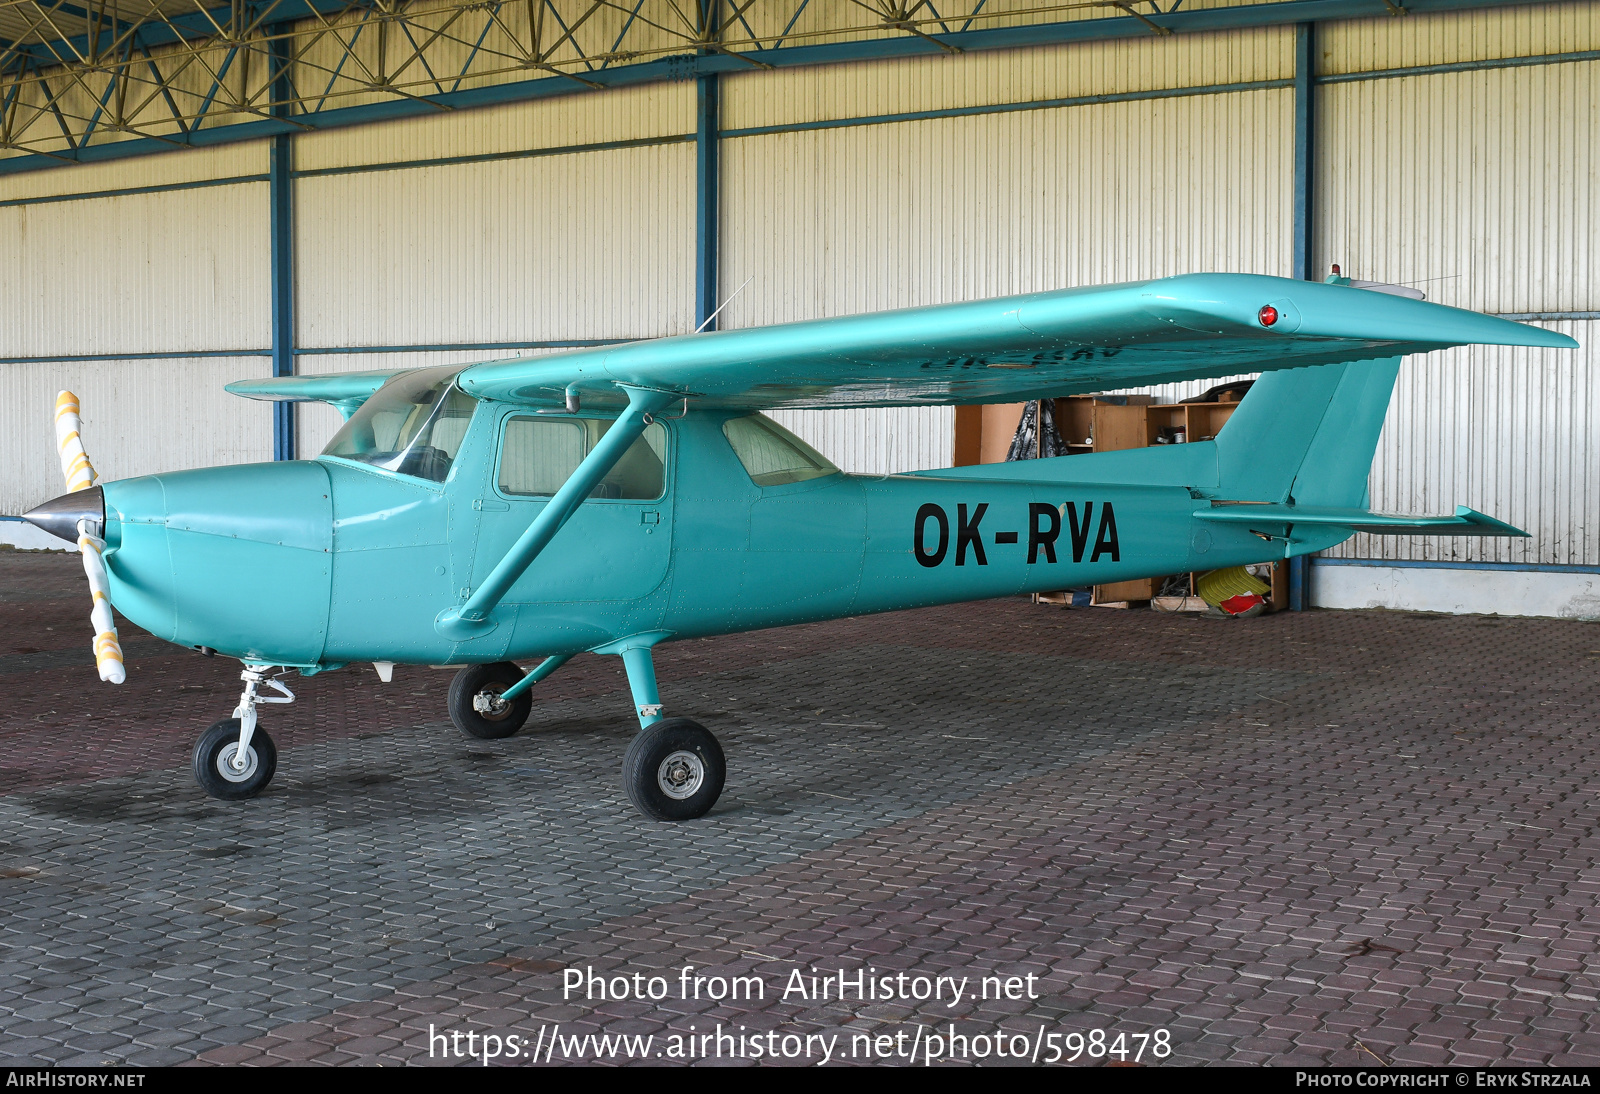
[{"x": 1307, "y": 435}]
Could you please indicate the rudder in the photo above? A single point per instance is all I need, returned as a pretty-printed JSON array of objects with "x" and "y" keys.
[{"x": 1307, "y": 435}]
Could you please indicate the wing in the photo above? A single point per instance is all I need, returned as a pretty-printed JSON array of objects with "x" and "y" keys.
[
  {"x": 1014, "y": 348},
  {"x": 344, "y": 390}
]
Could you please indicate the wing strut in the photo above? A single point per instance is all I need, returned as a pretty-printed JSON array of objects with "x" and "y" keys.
[{"x": 472, "y": 619}]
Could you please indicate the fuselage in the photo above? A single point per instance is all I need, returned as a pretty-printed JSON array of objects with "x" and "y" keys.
[{"x": 316, "y": 563}]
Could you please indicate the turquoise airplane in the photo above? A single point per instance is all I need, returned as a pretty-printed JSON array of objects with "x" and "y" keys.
[{"x": 611, "y": 499}]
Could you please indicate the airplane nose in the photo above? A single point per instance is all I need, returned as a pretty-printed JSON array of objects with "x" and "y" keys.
[{"x": 60, "y": 516}]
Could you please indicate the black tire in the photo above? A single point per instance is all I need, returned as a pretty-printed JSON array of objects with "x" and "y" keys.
[
  {"x": 674, "y": 751},
  {"x": 489, "y": 680},
  {"x": 212, "y": 762}
]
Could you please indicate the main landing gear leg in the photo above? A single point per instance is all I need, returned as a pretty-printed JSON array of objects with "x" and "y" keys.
[
  {"x": 234, "y": 759},
  {"x": 674, "y": 768}
]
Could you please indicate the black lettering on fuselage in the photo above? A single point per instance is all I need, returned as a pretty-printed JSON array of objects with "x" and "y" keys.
[
  {"x": 967, "y": 533},
  {"x": 1044, "y": 537},
  {"x": 919, "y": 537},
  {"x": 1105, "y": 540},
  {"x": 1080, "y": 532},
  {"x": 1044, "y": 530}
]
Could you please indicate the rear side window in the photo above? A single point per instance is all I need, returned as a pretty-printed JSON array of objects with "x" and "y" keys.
[
  {"x": 540, "y": 454},
  {"x": 771, "y": 454}
]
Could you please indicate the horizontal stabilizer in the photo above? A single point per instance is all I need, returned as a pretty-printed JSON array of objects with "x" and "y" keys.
[{"x": 1465, "y": 522}]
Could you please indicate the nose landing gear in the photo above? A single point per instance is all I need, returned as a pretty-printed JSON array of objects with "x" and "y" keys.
[{"x": 234, "y": 760}]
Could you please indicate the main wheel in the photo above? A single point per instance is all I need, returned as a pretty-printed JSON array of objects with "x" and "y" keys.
[
  {"x": 214, "y": 767},
  {"x": 674, "y": 770},
  {"x": 475, "y": 704}
]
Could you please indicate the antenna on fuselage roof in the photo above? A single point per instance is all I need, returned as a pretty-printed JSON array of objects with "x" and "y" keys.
[{"x": 724, "y": 304}]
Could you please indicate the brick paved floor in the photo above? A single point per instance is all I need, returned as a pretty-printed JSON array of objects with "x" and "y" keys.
[{"x": 1332, "y": 837}]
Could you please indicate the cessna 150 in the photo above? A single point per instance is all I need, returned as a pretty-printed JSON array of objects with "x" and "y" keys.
[{"x": 611, "y": 499}]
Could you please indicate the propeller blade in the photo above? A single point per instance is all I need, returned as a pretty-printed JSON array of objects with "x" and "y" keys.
[
  {"x": 79, "y": 473},
  {"x": 75, "y": 466},
  {"x": 107, "y": 650}
]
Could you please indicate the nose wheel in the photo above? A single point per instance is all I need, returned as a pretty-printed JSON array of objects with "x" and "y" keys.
[
  {"x": 224, "y": 771},
  {"x": 235, "y": 759}
]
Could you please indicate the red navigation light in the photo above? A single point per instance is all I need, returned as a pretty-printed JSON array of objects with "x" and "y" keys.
[{"x": 1268, "y": 315}]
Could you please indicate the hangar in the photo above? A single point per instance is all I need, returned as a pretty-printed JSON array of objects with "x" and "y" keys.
[
  {"x": 1351, "y": 838},
  {"x": 198, "y": 196}
]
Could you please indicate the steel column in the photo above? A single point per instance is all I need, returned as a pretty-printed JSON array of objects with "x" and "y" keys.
[
  {"x": 280, "y": 191},
  {"x": 1305, "y": 134},
  {"x": 706, "y": 137},
  {"x": 1305, "y": 74}
]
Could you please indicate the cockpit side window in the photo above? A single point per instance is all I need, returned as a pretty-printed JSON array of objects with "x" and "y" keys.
[
  {"x": 539, "y": 454},
  {"x": 412, "y": 425},
  {"x": 771, "y": 455}
]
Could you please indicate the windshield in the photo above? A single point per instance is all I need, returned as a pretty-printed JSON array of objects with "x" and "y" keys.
[{"x": 412, "y": 425}]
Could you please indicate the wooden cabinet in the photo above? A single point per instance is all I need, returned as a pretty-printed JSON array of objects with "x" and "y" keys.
[
  {"x": 1089, "y": 423},
  {"x": 1099, "y": 423}
]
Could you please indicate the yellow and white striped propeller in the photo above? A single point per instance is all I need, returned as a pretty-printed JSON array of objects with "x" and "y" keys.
[
  {"x": 75, "y": 465},
  {"x": 79, "y": 473}
]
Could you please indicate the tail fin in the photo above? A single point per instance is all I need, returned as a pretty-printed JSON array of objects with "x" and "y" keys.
[{"x": 1307, "y": 435}]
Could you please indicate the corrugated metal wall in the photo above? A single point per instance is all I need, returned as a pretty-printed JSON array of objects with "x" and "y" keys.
[
  {"x": 1480, "y": 186},
  {"x": 179, "y": 272},
  {"x": 944, "y": 81},
  {"x": 139, "y": 417},
  {"x": 882, "y": 441},
  {"x": 590, "y": 245},
  {"x": 1511, "y": 432},
  {"x": 625, "y": 114},
  {"x": 835, "y": 221},
  {"x": 555, "y": 245},
  {"x": 139, "y": 273}
]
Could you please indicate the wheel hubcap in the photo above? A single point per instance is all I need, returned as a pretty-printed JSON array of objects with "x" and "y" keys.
[
  {"x": 225, "y": 761},
  {"x": 489, "y": 704},
  {"x": 681, "y": 775}
]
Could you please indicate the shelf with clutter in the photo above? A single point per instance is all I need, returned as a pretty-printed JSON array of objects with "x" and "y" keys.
[{"x": 1082, "y": 424}]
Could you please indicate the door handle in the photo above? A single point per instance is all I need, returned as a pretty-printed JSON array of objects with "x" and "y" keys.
[{"x": 490, "y": 505}]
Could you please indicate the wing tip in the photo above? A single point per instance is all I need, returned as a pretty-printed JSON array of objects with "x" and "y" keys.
[
  {"x": 249, "y": 390},
  {"x": 1327, "y": 311}
]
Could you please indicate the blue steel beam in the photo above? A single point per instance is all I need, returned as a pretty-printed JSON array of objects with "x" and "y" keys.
[
  {"x": 1305, "y": 147},
  {"x": 706, "y": 204},
  {"x": 707, "y": 134},
  {"x": 1305, "y": 102},
  {"x": 280, "y": 195},
  {"x": 711, "y": 63}
]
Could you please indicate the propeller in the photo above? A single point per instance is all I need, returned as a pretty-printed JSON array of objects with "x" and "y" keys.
[{"x": 80, "y": 475}]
